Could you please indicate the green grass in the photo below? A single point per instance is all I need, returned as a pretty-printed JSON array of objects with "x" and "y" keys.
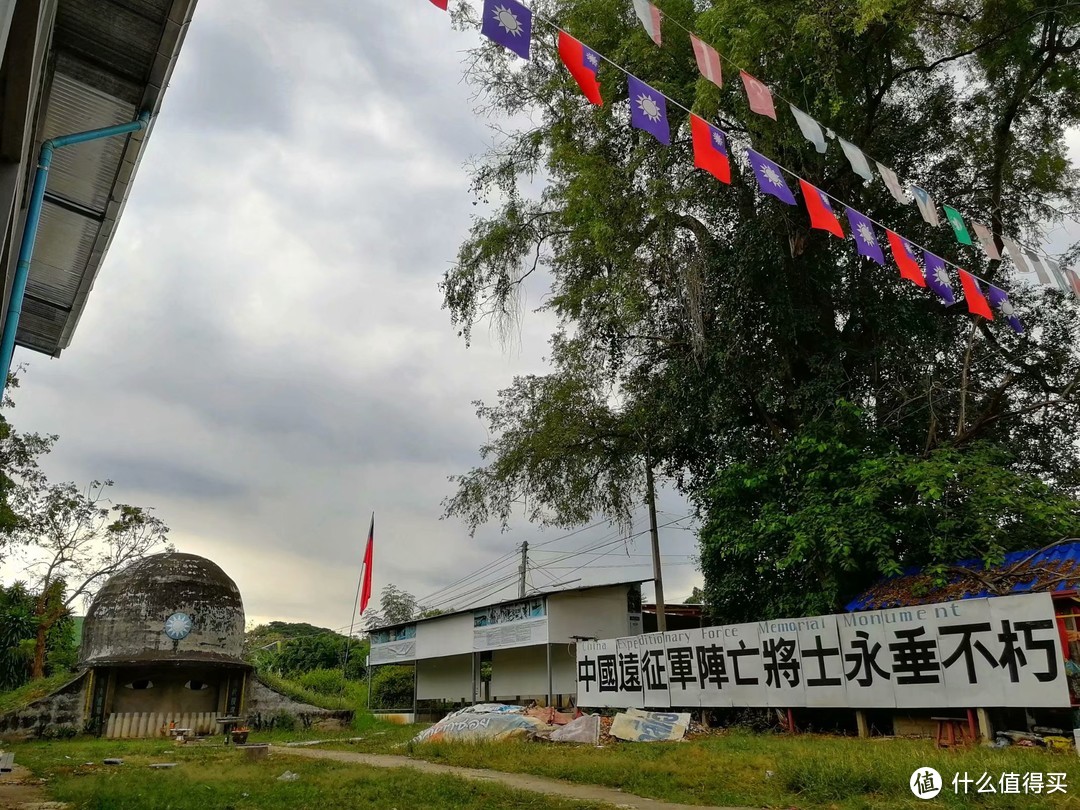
[
  {"x": 810, "y": 772},
  {"x": 216, "y": 778},
  {"x": 28, "y": 693}
]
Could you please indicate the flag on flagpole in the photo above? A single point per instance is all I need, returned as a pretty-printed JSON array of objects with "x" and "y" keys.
[
  {"x": 441, "y": 3},
  {"x": 759, "y": 96},
  {"x": 937, "y": 277},
  {"x": 986, "y": 239},
  {"x": 956, "y": 222},
  {"x": 926, "y": 206},
  {"x": 974, "y": 297},
  {"x": 821, "y": 213},
  {"x": 582, "y": 62},
  {"x": 648, "y": 110},
  {"x": 650, "y": 18},
  {"x": 770, "y": 177},
  {"x": 892, "y": 182},
  {"x": 708, "y": 61},
  {"x": 1000, "y": 301},
  {"x": 905, "y": 259},
  {"x": 810, "y": 129},
  {"x": 857, "y": 159},
  {"x": 862, "y": 230},
  {"x": 510, "y": 24},
  {"x": 369, "y": 552},
  {"x": 710, "y": 149}
]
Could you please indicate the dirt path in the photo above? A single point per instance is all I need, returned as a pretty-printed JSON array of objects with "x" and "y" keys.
[
  {"x": 519, "y": 781},
  {"x": 21, "y": 790}
]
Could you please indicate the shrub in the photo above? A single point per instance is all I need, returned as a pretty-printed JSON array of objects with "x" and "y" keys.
[
  {"x": 323, "y": 681},
  {"x": 392, "y": 688}
]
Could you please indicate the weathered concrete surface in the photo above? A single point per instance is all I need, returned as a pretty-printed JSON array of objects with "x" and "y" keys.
[
  {"x": 518, "y": 781},
  {"x": 47, "y": 715},
  {"x": 126, "y": 620},
  {"x": 264, "y": 706}
]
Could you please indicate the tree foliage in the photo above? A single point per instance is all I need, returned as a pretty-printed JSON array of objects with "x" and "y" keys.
[
  {"x": 831, "y": 422},
  {"x": 18, "y": 637},
  {"x": 395, "y": 607},
  {"x": 295, "y": 649}
]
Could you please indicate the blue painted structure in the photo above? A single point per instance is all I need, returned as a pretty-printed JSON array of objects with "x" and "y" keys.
[
  {"x": 1066, "y": 553},
  {"x": 33, "y": 220}
]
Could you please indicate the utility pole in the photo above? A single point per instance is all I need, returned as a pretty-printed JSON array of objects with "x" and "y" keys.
[
  {"x": 523, "y": 568},
  {"x": 658, "y": 577}
]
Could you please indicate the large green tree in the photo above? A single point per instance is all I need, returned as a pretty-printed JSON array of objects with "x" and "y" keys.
[{"x": 831, "y": 422}]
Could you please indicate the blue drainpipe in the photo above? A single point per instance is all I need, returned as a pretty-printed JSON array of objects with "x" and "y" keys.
[{"x": 33, "y": 219}]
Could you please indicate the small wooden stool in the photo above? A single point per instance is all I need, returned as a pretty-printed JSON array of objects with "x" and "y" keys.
[{"x": 950, "y": 731}]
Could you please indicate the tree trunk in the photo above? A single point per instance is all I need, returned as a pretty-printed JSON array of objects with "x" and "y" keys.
[{"x": 38, "y": 669}]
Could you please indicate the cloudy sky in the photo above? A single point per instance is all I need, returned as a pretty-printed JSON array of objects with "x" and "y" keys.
[{"x": 264, "y": 358}]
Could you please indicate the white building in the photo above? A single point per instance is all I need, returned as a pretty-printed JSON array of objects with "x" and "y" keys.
[{"x": 531, "y": 644}]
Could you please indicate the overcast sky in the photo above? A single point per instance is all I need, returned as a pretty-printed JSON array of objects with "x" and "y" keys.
[{"x": 264, "y": 358}]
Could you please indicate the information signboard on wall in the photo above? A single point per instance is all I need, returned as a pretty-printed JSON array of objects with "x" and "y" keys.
[
  {"x": 1004, "y": 651},
  {"x": 394, "y": 645},
  {"x": 517, "y": 624}
]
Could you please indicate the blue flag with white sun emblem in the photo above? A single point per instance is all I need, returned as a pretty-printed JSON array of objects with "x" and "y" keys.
[
  {"x": 937, "y": 277},
  {"x": 510, "y": 24},
  {"x": 648, "y": 110},
  {"x": 770, "y": 178},
  {"x": 862, "y": 230}
]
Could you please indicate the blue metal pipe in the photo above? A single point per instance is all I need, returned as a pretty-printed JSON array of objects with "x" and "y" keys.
[{"x": 33, "y": 220}]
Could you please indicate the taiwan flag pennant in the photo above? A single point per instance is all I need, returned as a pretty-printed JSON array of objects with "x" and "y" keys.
[
  {"x": 708, "y": 61},
  {"x": 862, "y": 230},
  {"x": 1000, "y": 301},
  {"x": 759, "y": 96},
  {"x": 510, "y": 24},
  {"x": 710, "y": 149},
  {"x": 905, "y": 259},
  {"x": 648, "y": 110},
  {"x": 974, "y": 297},
  {"x": 582, "y": 62},
  {"x": 937, "y": 277},
  {"x": 650, "y": 18},
  {"x": 821, "y": 213},
  {"x": 770, "y": 178},
  {"x": 956, "y": 222},
  {"x": 441, "y": 3}
]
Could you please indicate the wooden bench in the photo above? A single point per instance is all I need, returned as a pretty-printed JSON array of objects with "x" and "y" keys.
[{"x": 7, "y": 761}]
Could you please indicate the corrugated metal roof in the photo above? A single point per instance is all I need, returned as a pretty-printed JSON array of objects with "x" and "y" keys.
[
  {"x": 109, "y": 60},
  {"x": 1056, "y": 568}
]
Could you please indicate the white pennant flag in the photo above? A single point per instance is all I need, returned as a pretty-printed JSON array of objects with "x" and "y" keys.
[
  {"x": 986, "y": 239},
  {"x": 857, "y": 160},
  {"x": 927, "y": 207},
  {"x": 1013, "y": 250},
  {"x": 892, "y": 182},
  {"x": 811, "y": 129},
  {"x": 1040, "y": 271},
  {"x": 1055, "y": 270},
  {"x": 650, "y": 18}
]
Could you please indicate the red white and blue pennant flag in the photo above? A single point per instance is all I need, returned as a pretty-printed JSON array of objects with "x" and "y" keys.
[
  {"x": 441, "y": 3},
  {"x": 821, "y": 213},
  {"x": 710, "y": 149},
  {"x": 583, "y": 63},
  {"x": 510, "y": 24}
]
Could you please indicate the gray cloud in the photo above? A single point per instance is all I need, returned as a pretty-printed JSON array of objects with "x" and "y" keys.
[{"x": 264, "y": 358}]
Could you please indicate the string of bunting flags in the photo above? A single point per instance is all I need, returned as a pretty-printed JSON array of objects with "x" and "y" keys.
[
  {"x": 509, "y": 23},
  {"x": 760, "y": 98}
]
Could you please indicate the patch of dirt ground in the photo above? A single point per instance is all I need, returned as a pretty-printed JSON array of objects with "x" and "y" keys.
[{"x": 21, "y": 790}]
